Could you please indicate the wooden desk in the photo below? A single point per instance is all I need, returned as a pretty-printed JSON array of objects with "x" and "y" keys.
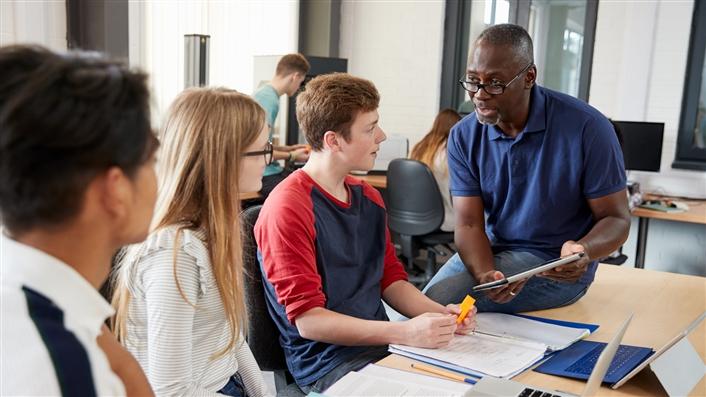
[
  {"x": 695, "y": 214},
  {"x": 376, "y": 181},
  {"x": 663, "y": 303},
  {"x": 249, "y": 195}
]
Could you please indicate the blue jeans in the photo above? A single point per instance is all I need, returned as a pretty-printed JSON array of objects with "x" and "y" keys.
[
  {"x": 234, "y": 387},
  {"x": 453, "y": 282}
]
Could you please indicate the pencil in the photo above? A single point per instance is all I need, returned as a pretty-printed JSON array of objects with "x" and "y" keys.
[{"x": 444, "y": 374}]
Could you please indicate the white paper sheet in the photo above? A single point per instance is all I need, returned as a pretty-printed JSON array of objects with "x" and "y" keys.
[{"x": 375, "y": 380}]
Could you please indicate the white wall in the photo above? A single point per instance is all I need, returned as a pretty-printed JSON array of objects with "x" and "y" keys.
[
  {"x": 398, "y": 46},
  {"x": 639, "y": 64},
  {"x": 35, "y": 22}
]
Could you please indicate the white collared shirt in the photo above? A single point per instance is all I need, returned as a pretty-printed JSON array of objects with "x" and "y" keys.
[{"x": 50, "y": 317}]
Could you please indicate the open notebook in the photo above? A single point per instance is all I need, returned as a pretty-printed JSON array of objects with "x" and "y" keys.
[{"x": 502, "y": 346}]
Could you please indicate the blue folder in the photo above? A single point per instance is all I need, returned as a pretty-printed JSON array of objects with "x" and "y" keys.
[{"x": 590, "y": 327}]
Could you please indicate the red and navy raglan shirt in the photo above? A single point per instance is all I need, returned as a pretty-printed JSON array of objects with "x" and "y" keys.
[{"x": 317, "y": 251}]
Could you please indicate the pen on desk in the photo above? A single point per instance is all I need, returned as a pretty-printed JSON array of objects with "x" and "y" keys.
[{"x": 444, "y": 374}]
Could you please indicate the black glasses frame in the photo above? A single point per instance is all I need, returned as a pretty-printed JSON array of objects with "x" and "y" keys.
[
  {"x": 267, "y": 153},
  {"x": 497, "y": 89}
]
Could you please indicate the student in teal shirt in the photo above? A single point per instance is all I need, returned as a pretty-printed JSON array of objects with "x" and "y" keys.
[{"x": 289, "y": 75}]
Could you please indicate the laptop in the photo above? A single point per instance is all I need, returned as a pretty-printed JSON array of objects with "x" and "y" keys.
[
  {"x": 489, "y": 386},
  {"x": 577, "y": 360}
]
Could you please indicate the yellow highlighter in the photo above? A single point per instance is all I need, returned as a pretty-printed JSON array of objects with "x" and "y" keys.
[{"x": 466, "y": 306}]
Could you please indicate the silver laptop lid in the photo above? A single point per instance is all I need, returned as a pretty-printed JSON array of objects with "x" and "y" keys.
[
  {"x": 604, "y": 360},
  {"x": 661, "y": 351}
]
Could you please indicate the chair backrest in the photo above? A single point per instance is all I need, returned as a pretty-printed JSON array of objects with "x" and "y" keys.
[
  {"x": 414, "y": 205},
  {"x": 263, "y": 335}
]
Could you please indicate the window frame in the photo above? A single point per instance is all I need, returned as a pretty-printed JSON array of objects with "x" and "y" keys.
[
  {"x": 687, "y": 156},
  {"x": 455, "y": 51}
]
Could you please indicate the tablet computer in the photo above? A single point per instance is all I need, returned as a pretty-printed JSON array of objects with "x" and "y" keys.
[{"x": 551, "y": 264}]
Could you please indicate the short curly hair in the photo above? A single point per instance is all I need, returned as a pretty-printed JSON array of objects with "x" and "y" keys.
[{"x": 331, "y": 102}]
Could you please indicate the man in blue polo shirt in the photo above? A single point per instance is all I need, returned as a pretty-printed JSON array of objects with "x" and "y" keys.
[{"x": 534, "y": 174}]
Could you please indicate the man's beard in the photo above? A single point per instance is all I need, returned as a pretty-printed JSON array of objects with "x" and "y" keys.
[{"x": 488, "y": 120}]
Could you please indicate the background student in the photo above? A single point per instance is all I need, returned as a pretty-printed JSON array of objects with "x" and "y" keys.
[
  {"x": 431, "y": 150},
  {"x": 290, "y": 73},
  {"x": 179, "y": 295},
  {"x": 77, "y": 182}
]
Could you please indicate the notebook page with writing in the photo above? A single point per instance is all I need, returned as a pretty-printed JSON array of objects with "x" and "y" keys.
[
  {"x": 490, "y": 355},
  {"x": 556, "y": 337}
]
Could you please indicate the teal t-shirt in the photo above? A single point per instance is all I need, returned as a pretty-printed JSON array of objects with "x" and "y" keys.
[{"x": 268, "y": 98}]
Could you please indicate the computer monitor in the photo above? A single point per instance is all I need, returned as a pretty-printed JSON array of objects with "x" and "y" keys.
[{"x": 642, "y": 144}]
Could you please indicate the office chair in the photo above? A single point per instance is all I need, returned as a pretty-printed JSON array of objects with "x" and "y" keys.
[
  {"x": 415, "y": 212},
  {"x": 263, "y": 335}
]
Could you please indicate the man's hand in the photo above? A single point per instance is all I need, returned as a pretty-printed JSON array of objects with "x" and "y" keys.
[
  {"x": 429, "y": 330},
  {"x": 300, "y": 155},
  {"x": 570, "y": 272},
  {"x": 468, "y": 324},
  {"x": 502, "y": 294}
]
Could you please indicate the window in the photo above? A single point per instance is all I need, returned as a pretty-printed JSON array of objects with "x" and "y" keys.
[
  {"x": 238, "y": 30},
  {"x": 691, "y": 144},
  {"x": 562, "y": 32},
  {"x": 557, "y": 29}
]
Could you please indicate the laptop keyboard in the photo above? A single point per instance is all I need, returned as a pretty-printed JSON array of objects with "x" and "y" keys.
[
  {"x": 536, "y": 393},
  {"x": 586, "y": 363}
]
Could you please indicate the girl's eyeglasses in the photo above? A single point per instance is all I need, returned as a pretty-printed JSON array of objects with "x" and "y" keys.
[{"x": 267, "y": 153}]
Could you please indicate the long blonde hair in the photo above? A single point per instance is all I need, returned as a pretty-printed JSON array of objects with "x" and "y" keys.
[
  {"x": 426, "y": 149},
  {"x": 203, "y": 138}
]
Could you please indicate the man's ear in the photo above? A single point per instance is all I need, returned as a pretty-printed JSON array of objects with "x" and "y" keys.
[
  {"x": 332, "y": 141},
  {"x": 531, "y": 76},
  {"x": 116, "y": 193}
]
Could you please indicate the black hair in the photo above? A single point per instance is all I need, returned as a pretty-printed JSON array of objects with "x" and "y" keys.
[
  {"x": 511, "y": 35},
  {"x": 64, "y": 118}
]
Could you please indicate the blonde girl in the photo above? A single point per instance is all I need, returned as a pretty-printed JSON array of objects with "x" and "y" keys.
[
  {"x": 179, "y": 294},
  {"x": 431, "y": 150}
]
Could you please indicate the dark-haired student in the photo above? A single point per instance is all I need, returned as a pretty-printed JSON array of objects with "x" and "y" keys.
[{"x": 77, "y": 182}]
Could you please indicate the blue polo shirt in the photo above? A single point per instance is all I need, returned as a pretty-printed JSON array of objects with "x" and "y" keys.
[
  {"x": 535, "y": 187},
  {"x": 267, "y": 97}
]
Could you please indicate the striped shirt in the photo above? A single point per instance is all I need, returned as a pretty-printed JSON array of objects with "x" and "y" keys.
[
  {"x": 174, "y": 340},
  {"x": 50, "y": 317}
]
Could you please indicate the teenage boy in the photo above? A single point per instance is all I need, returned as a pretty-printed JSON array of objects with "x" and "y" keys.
[
  {"x": 290, "y": 73},
  {"x": 76, "y": 183},
  {"x": 326, "y": 250}
]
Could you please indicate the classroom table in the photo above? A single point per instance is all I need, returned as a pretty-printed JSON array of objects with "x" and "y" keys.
[
  {"x": 663, "y": 304},
  {"x": 695, "y": 214},
  {"x": 378, "y": 181},
  {"x": 375, "y": 180}
]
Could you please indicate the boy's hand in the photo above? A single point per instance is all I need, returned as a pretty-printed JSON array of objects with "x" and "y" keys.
[
  {"x": 430, "y": 330},
  {"x": 468, "y": 324}
]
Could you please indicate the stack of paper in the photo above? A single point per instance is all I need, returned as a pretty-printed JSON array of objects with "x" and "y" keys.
[
  {"x": 479, "y": 354},
  {"x": 503, "y": 346},
  {"x": 375, "y": 380},
  {"x": 555, "y": 337}
]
